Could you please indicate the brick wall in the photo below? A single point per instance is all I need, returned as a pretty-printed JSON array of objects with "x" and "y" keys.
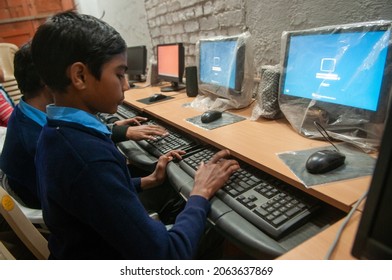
[{"x": 186, "y": 21}]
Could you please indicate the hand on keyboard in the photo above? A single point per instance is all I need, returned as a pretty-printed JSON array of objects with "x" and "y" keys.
[
  {"x": 211, "y": 176},
  {"x": 145, "y": 132},
  {"x": 132, "y": 121},
  {"x": 158, "y": 176}
]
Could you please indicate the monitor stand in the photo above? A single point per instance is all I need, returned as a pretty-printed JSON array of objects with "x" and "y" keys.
[{"x": 174, "y": 87}]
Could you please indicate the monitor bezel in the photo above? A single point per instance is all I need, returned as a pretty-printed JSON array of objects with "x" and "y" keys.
[
  {"x": 180, "y": 66},
  {"x": 135, "y": 74},
  {"x": 365, "y": 246},
  {"x": 330, "y": 109},
  {"x": 220, "y": 90}
]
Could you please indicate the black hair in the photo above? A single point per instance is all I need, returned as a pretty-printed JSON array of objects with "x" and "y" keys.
[
  {"x": 29, "y": 82},
  {"x": 70, "y": 37}
]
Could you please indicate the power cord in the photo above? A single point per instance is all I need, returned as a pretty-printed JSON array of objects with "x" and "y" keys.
[
  {"x": 324, "y": 133},
  {"x": 343, "y": 225}
]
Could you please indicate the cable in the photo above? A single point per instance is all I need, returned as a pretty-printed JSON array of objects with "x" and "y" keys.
[
  {"x": 326, "y": 135},
  {"x": 343, "y": 225}
]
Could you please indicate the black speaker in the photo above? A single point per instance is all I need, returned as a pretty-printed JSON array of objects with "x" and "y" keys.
[
  {"x": 152, "y": 75},
  {"x": 191, "y": 81},
  {"x": 268, "y": 92}
]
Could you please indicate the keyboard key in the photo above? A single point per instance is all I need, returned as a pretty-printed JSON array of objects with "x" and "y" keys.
[{"x": 279, "y": 220}]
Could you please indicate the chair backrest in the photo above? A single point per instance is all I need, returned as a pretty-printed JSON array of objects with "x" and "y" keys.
[
  {"x": 23, "y": 228},
  {"x": 4, "y": 253},
  {"x": 34, "y": 215},
  {"x": 11, "y": 87},
  {"x": 7, "y": 53}
]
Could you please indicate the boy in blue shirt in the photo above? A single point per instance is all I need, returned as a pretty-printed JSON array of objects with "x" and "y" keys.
[
  {"x": 89, "y": 200},
  {"x": 25, "y": 125}
]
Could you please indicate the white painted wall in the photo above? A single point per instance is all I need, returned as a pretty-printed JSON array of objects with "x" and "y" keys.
[{"x": 128, "y": 17}]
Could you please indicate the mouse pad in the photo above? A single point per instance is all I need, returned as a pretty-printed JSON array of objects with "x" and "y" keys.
[
  {"x": 227, "y": 118},
  {"x": 357, "y": 164},
  {"x": 147, "y": 100}
]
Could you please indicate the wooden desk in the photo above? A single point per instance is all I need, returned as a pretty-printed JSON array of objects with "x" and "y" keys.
[
  {"x": 258, "y": 143},
  {"x": 132, "y": 96}
]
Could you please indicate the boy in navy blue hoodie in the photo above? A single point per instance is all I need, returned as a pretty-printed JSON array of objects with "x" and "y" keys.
[{"x": 89, "y": 200}]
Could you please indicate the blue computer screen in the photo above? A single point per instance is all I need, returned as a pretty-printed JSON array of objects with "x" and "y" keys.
[
  {"x": 218, "y": 62},
  {"x": 343, "y": 68}
]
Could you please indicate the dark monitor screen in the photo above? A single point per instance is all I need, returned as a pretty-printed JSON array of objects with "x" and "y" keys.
[
  {"x": 373, "y": 239},
  {"x": 170, "y": 64},
  {"x": 137, "y": 62},
  {"x": 221, "y": 63},
  {"x": 340, "y": 69}
]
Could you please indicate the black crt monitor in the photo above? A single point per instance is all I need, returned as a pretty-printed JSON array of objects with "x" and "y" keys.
[
  {"x": 170, "y": 64},
  {"x": 344, "y": 71},
  {"x": 373, "y": 239},
  {"x": 137, "y": 63},
  {"x": 221, "y": 66}
]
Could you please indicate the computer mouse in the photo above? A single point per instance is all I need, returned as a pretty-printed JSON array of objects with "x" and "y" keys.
[
  {"x": 157, "y": 97},
  {"x": 210, "y": 116},
  {"x": 324, "y": 160}
]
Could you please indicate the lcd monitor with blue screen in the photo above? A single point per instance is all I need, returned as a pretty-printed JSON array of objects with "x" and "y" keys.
[
  {"x": 345, "y": 67},
  {"x": 342, "y": 68},
  {"x": 221, "y": 65}
]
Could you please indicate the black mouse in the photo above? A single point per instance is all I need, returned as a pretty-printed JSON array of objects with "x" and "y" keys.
[
  {"x": 210, "y": 116},
  {"x": 157, "y": 97},
  {"x": 324, "y": 160}
]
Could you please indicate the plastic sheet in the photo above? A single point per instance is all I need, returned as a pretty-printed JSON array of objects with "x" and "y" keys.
[
  {"x": 226, "y": 119},
  {"x": 357, "y": 164},
  {"x": 226, "y": 74},
  {"x": 345, "y": 69},
  {"x": 267, "y": 105}
]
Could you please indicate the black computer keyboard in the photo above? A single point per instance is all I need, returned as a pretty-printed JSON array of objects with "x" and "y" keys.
[
  {"x": 172, "y": 141},
  {"x": 123, "y": 112},
  {"x": 126, "y": 112},
  {"x": 272, "y": 205}
]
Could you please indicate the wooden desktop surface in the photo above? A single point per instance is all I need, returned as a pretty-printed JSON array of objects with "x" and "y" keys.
[
  {"x": 258, "y": 143},
  {"x": 141, "y": 91}
]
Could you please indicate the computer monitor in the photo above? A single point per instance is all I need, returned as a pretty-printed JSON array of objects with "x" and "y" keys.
[
  {"x": 170, "y": 64},
  {"x": 137, "y": 63},
  {"x": 343, "y": 72},
  {"x": 221, "y": 66},
  {"x": 373, "y": 239}
]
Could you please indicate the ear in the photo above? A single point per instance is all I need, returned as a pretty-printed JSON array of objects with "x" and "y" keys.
[{"x": 77, "y": 74}]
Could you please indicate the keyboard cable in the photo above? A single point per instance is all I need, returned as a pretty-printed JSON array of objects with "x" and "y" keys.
[{"x": 343, "y": 225}]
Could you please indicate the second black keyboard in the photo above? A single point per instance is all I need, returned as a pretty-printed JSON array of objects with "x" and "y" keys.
[
  {"x": 172, "y": 141},
  {"x": 270, "y": 204},
  {"x": 126, "y": 112}
]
